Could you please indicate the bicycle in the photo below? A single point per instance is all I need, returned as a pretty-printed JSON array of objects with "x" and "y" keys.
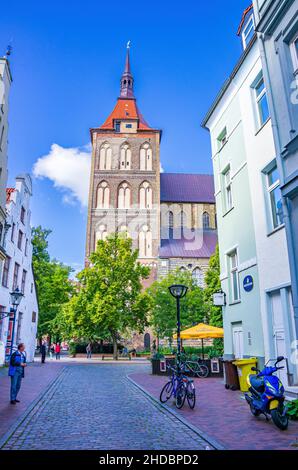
[
  {"x": 181, "y": 388},
  {"x": 195, "y": 368}
]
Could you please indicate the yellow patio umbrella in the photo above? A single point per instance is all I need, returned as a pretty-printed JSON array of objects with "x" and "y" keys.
[{"x": 201, "y": 331}]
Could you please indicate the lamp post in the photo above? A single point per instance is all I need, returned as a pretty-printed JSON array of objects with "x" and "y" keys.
[
  {"x": 15, "y": 297},
  {"x": 178, "y": 292}
]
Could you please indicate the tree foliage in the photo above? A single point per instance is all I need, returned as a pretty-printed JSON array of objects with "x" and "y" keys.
[
  {"x": 163, "y": 313},
  {"x": 212, "y": 281},
  {"x": 52, "y": 281},
  {"x": 109, "y": 300}
]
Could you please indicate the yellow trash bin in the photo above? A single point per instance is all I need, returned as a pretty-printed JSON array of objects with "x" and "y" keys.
[{"x": 244, "y": 370}]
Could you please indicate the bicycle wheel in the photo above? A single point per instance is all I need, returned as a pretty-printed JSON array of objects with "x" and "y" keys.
[
  {"x": 202, "y": 371},
  {"x": 191, "y": 395},
  {"x": 180, "y": 395},
  {"x": 166, "y": 392}
]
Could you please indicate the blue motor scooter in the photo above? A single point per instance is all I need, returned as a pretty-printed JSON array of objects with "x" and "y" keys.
[{"x": 267, "y": 395}]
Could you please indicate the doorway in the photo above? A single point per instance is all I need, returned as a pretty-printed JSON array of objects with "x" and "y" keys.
[{"x": 238, "y": 341}]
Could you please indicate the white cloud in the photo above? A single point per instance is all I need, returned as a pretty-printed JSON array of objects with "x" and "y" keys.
[{"x": 69, "y": 169}]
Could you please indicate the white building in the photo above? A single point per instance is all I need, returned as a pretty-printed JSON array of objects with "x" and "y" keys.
[
  {"x": 17, "y": 270},
  {"x": 5, "y": 82},
  {"x": 255, "y": 272}
]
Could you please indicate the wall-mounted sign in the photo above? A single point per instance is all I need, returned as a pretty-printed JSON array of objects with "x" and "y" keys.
[
  {"x": 248, "y": 283},
  {"x": 219, "y": 299}
]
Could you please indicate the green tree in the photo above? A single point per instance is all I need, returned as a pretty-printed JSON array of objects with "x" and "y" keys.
[
  {"x": 52, "y": 282},
  {"x": 163, "y": 312},
  {"x": 109, "y": 301},
  {"x": 212, "y": 281}
]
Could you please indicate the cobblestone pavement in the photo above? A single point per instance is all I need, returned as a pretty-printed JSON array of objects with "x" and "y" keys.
[
  {"x": 96, "y": 407},
  {"x": 225, "y": 416}
]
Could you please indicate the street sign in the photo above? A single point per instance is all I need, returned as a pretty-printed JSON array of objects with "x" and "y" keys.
[{"x": 248, "y": 283}]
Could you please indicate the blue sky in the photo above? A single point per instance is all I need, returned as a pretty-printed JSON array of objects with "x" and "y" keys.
[{"x": 67, "y": 61}]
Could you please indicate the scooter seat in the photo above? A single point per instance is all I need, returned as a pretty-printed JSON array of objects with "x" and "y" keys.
[{"x": 257, "y": 383}]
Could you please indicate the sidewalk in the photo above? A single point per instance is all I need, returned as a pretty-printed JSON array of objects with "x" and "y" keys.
[
  {"x": 37, "y": 378},
  {"x": 224, "y": 416}
]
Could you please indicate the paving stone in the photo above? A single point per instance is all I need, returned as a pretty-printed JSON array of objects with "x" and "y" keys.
[{"x": 96, "y": 407}]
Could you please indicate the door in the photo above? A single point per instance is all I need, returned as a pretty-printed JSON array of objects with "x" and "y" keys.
[
  {"x": 279, "y": 344},
  {"x": 238, "y": 341}
]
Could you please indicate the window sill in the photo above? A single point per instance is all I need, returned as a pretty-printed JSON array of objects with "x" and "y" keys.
[
  {"x": 262, "y": 126},
  {"x": 277, "y": 229},
  {"x": 228, "y": 211},
  {"x": 236, "y": 302}
]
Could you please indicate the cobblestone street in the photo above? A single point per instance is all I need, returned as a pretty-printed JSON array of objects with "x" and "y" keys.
[{"x": 96, "y": 407}]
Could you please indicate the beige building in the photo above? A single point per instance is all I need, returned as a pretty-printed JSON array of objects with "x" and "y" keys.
[{"x": 5, "y": 82}]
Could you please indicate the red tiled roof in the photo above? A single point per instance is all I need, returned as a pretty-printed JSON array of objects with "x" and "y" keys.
[
  {"x": 9, "y": 192},
  {"x": 248, "y": 9},
  {"x": 125, "y": 109}
]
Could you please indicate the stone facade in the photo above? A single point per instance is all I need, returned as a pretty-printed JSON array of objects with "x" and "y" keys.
[{"x": 129, "y": 194}]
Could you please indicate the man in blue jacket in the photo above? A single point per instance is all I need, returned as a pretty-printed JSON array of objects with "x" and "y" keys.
[{"x": 16, "y": 372}]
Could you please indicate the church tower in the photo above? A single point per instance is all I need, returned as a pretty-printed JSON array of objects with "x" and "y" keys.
[{"x": 124, "y": 194}]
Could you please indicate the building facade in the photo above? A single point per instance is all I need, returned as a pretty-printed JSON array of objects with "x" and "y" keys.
[
  {"x": 17, "y": 270},
  {"x": 277, "y": 26},
  {"x": 170, "y": 218},
  {"x": 255, "y": 269},
  {"x": 5, "y": 83}
]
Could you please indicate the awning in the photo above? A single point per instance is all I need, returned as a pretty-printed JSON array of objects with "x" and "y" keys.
[{"x": 201, "y": 331}]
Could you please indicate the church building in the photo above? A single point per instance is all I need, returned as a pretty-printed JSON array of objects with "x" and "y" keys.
[{"x": 171, "y": 218}]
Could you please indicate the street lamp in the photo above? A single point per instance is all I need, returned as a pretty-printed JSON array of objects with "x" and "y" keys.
[
  {"x": 178, "y": 291},
  {"x": 15, "y": 298}
]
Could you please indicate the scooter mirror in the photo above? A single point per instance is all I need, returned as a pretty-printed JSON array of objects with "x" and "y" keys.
[{"x": 279, "y": 359}]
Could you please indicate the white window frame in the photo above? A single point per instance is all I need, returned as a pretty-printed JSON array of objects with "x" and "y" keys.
[
  {"x": 234, "y": 271},
  {"x": 270, "y": 189},
  {"x": 258, "y": 98},
  {"x": 250, "y": 24},
  {"x": 228, "y": 201},
  {"x": 222, "y": 139},
  {"x": 294, "y": 52}
]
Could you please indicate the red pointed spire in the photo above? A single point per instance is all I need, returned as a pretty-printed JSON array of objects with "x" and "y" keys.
[{"x": 126, "y": 84}]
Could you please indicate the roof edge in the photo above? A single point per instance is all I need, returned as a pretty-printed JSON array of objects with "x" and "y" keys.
[{"x": 228, "y": 82}]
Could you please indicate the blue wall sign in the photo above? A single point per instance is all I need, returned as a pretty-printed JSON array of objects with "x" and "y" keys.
[{"x": 248, "y": 283}]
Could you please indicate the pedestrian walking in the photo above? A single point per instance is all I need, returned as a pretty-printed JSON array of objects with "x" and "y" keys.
[
  {"x": 89, "y": 351},
  {"x": 43, "y": 351},
  {"x": 16, "y": 372},
  {"x": 58, "y": 351},
  {"x": 52, "y": 351}
]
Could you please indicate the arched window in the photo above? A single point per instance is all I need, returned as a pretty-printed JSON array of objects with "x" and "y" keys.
[
  {"x": 124, "y": 196},
  {"x": 123, "y": 229},
  {"x": 125, "y": 157},
  {"x": 100, "y": 234},
  {"x": 105, "y": 157},
  {"x": 145, "y": 196},
  {"x": 182, "y": 269},
  {"x": 171, "y": 224},
  {"x": 198, "y": 277},
  {"x": 146, "y": 157},
  {"x": 145, "y": 242},
  {"x": 103, "y": 196},
  {"x": 206, "y": 220},
  {"x": 147, "y": 342},
  {"x": 183, "y": 220}
]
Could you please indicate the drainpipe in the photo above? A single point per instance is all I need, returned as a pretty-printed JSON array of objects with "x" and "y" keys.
[{"x": 282, "y": 176}]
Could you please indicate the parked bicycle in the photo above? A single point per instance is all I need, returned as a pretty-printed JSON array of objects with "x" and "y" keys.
[
  {"x": 181, "y": 388},
  {"x": 195, "y": 369}
]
